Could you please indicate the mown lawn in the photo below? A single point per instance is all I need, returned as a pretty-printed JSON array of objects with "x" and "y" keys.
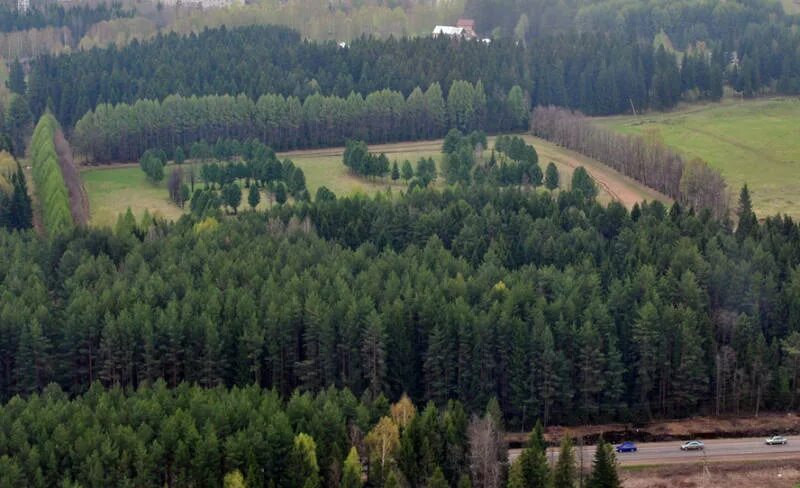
[{"x": 755, "y": 142}]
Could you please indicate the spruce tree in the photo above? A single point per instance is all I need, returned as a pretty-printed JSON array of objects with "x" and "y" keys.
[
  {"x": 253, "y": 197},
  {"x": 583, "y": 184},
  {"x": 564, "y": 473},
  {"x": 551, "y": 176},
  {"x": 16, "y": 78},
  {"x": 280, "y": 193},
  {"x": 408, "y": 170},
  {"x": 744, "y": 211},
  {"x": 604, "y": 468},
  {"x": 20, "y": 207},
  {"x": 437, "y": 480},
  {"x": 180, "y": 156},
  {"x": 533, "y": 460},
  {"x": 395, "y": 171}
]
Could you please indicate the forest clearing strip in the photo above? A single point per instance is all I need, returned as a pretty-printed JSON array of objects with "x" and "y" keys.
[{"x": 618, "y": 186}]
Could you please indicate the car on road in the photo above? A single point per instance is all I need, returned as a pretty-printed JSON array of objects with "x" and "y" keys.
[
  {"x": 776, "y": 440},
  {"x": 692, "y": 446},
  {"x": 627, "y": 446}
]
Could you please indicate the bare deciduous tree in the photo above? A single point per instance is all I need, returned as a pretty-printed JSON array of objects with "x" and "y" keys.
[
  {"x": 644, "y": 158},
  {"x": 485, "y": 453}
]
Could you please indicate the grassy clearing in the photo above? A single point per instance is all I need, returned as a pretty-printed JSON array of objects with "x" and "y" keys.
[
  {"x": 755, "y": 142},
  {"x": 112, "y": 189}
]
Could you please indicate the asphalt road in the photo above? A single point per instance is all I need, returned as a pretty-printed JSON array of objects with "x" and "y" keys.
[{"x": 653, "y": 453}]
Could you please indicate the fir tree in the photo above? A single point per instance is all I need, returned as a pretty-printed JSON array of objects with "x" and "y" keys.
[
  {"x": 253, "y": 197},
  {"x": 16, "y": 78},
  {"x": 744, "y": 211},
  {"x": 408, "y": 170},
  {"x": 564, "y": 474},
  {"x": 604, "y": 468},
  {"x": 551, "y": 176}
]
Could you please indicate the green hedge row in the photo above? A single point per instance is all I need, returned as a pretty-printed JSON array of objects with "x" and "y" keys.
[{"x": 50, "y": 187}]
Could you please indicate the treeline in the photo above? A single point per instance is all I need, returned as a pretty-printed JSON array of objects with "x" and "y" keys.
[
  {"x": 208, "y": 437},
  {"x": 51, "y": 191},
  {"x": 563, "y": 309},
  {"x": 123, "y": 132},
  {"x": 16, "y": 211},
  {"x": 686, "y": 22},
  {"x": 649, "y": 161},
  {"x": 77, "y": 18},
  {"x": 595, "y": 73},
  {"x": 358, "y": 158}
]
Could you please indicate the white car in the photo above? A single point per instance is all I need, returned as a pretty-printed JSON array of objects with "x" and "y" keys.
[
  {"x": 693, "y": 446},
  {"x": 777, "y": 440}
]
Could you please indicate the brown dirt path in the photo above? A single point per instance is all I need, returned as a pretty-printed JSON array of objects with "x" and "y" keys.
[
  {"x": 78, "y": 199},
  {"x": 616, "y": 185}
]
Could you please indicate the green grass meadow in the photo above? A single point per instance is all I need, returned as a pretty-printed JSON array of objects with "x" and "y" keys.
[
  {"x": 755, "y": 142},
  {"x": 112, "y": 190}
]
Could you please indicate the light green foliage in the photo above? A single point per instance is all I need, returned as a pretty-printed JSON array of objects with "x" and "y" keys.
[
  {"x": 351, "y": 472},
  {"x": 234, "y": 479},
  {"x": 51, "y": 191}
]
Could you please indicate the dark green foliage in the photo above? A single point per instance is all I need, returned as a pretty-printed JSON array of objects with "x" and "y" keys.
[
  {"x": 253, "y": 197},
  {"x": 748, "y": 222},
  {"x": 152, "y": 163},
  {"x": 324, "y": 195},
  {"x": 179, "y": 156},
  {"x": 426, "y": 171},
  {"x": 565, "y": 472},
  {"x": 78, "y": 18},
  {"x": 358, "y": 158},
  {"x": 16, "y": 210},
  {"x": 395, "y": 171},
  {"x": 16, "y": 78},
  {"x": 604, "y": 468},
  {"x": 232, "y": 196},
  {"x": 551, "y": 176},
  {"x": 437, "y": 480},
  {"x": 561, "y": 308},
  {"x": 534, "y": 468},
  {"x": 18, "y": 123},
  {"x": 407, "y": 170},
  {"x": 280, "y": 193},
  {"x": 583, "y": 184}
]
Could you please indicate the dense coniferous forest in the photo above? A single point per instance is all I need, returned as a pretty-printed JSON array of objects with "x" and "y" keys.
[
  {"x": 597, "y": 73},
  {"x": 562, "y": 309},
  {"x": 77, "y": 18}
]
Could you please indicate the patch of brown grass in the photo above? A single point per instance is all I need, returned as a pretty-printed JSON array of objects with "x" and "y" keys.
[{"x": 768, "y": 474}]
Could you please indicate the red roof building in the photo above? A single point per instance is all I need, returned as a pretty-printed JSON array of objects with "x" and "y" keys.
[{"x": 468, "y": 25}]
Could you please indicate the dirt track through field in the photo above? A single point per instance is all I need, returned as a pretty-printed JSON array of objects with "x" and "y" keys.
[
  {"x": 616, "y": 185},
  {"x": 78, "y": 199}
]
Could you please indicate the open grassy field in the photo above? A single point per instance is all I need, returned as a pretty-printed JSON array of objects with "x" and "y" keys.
[
  {"x": 755, "y": 142},
  {"x": 112, "y": 189}
]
